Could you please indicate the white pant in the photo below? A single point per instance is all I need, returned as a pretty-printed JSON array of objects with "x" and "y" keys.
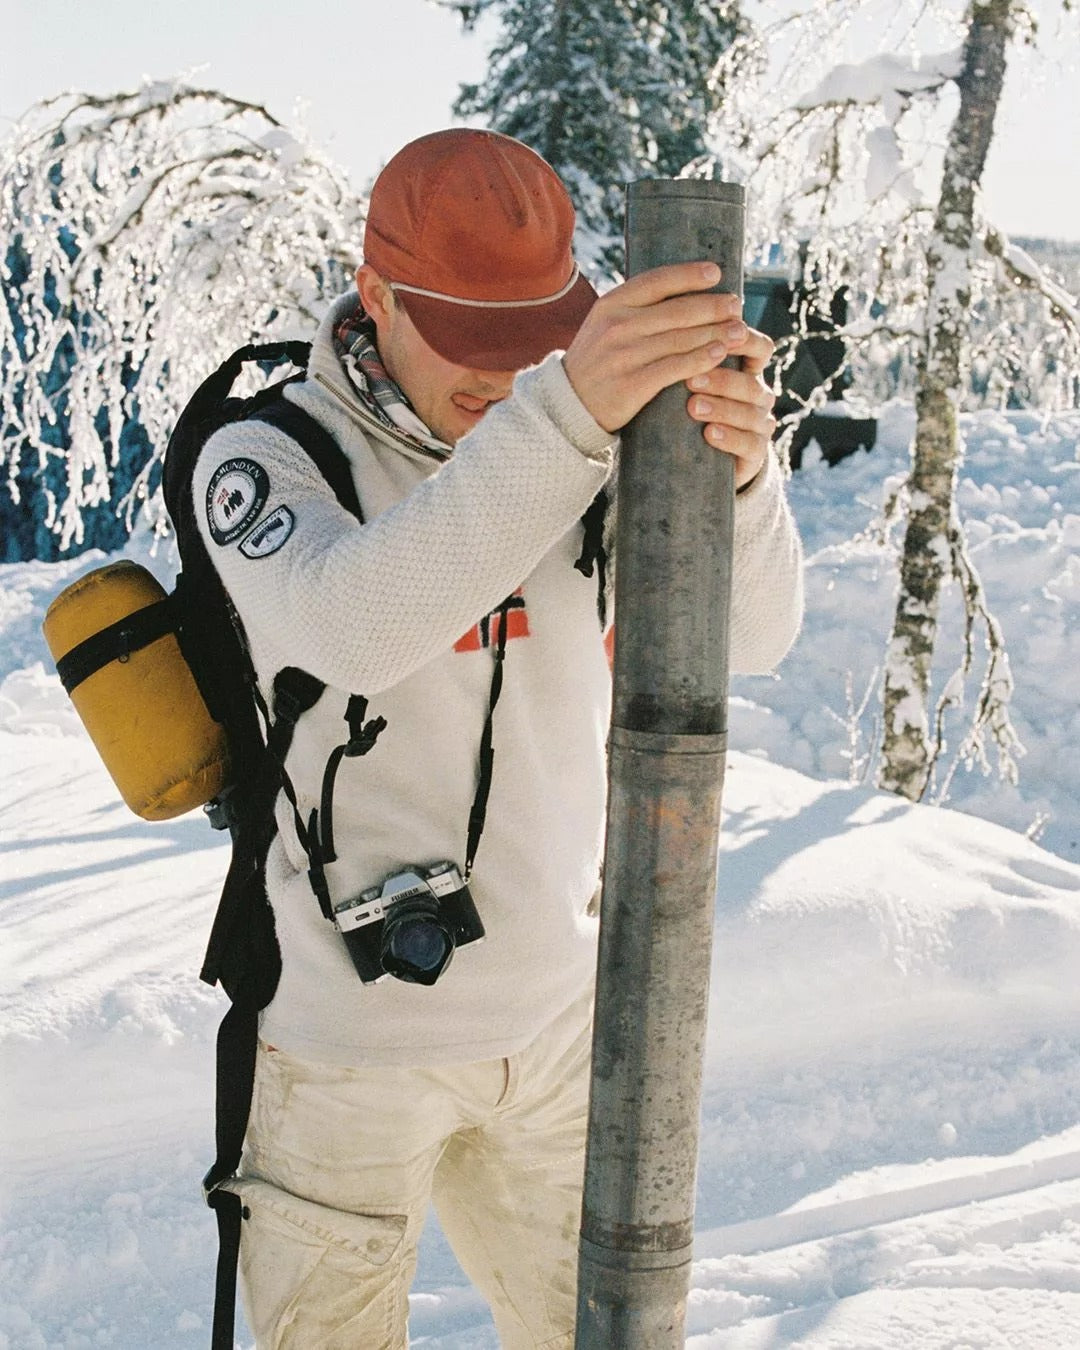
[{"x": 340, "y": 1166}]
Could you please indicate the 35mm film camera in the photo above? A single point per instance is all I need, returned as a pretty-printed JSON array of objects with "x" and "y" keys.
[{"x": 410, "y": 925}]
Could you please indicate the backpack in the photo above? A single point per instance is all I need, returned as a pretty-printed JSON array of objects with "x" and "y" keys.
[
  {"x": 242, "y": 953},
  {"x": 195, "y": 631},
  {"x": 210, "y": 737}
]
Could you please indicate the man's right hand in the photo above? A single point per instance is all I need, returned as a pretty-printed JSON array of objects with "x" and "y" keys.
[{"x": 651, "y": 332}]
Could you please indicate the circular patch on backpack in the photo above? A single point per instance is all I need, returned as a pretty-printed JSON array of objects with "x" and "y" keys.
[{"x": 236, "y": 495}]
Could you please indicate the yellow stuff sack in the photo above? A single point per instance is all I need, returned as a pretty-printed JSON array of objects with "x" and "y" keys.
[{"x": 113, "y": 638}]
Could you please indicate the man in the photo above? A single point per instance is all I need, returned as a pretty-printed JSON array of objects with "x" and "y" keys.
[{"x": 477, "y": 385}]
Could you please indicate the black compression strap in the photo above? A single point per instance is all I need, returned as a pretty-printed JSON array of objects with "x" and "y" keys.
[
  {"x": 362, "y": 736},
  {"x": 295, "y": 693},
  {"x": 115, "y": 643}
]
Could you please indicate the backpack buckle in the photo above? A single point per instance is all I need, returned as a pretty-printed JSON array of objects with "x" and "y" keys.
[
  {"x": 212, "y": 1184},
  {"x": 221, "y": 811}
]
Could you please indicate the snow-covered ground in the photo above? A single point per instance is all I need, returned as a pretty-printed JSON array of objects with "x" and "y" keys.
[
  {"x": 1019, "y": 495},
  {"x": 891, "y": 1141}
]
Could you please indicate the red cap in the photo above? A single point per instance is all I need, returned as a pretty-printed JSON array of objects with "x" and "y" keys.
[{"x": 474, "y": 232}]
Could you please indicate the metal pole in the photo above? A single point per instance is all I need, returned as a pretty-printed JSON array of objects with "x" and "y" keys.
[{"x": 666, "y": 770}]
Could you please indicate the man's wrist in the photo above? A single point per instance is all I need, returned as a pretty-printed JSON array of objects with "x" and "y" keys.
[{"x": 550, "y": 388}]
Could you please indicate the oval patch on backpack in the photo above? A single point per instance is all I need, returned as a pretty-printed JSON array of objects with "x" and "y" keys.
[
  {"x": 269, "y": 535},
  {"x": 236, "y": 494}
]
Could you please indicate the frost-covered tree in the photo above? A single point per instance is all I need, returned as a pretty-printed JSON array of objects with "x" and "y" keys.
[
  {"x": 606, "y": 93},
  {"x": 870, "y": 177},
  {"x": 146, "y": 235},
  {"x": 933, "y": 541}
]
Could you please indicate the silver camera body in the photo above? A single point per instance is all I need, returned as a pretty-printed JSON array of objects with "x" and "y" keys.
[{"x": 410, "y": 924}]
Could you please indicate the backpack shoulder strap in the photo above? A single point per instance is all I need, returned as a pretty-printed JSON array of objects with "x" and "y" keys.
[
  {"x": 317, "y": 443},
  {"x": 209, "y": 408}
]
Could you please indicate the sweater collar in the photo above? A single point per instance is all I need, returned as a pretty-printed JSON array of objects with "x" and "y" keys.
[{"x": 351, "y": 334}]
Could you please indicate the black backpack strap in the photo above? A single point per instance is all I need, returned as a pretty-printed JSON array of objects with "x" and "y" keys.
[
  {"x": 253, "y": 829},
  {"x": 249, "y": 984},
  {"x": 315, "y": 441},
  {"x": 237, "y": 1043},
  {"x": 209, "y": 408},
  {"x": 593, "y": 553},
  {"x": 250, "y": 815}
]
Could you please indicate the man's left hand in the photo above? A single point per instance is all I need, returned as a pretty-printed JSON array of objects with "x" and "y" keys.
[{"x": 736, "y": 405}]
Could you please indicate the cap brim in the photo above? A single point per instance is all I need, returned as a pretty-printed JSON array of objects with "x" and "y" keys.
[{"x": 493, "y": 338}]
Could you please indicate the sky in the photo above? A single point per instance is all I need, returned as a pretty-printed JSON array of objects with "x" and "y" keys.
[{"x": 368, "y": 76}]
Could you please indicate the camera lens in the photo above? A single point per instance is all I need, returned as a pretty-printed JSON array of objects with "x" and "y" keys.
[
  {"x": 416, "y": 945},
  {"x": 420, "y": 944}
]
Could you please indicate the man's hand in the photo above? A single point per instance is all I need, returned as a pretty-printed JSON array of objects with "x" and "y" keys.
[
  {"x": 736, "y": 405},
  {"x": 663, "y": 328}
]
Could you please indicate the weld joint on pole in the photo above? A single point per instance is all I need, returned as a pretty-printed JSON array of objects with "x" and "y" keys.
[
  {"x": 622, "y": 1258},
  {"x": 664, "y": 743}
]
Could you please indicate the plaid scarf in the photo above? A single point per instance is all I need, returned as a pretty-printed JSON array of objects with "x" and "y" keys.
[{"x": 354, "y": 339}]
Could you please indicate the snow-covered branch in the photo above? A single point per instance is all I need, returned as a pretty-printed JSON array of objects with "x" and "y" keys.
[
  {"x": 147, "y": 235},
  {"x": 1025, "y": 272},
  {"x": 883, "y": 79}
]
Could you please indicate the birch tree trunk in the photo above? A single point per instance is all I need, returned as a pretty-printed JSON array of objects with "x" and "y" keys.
[{"x": 908, "y": 748}]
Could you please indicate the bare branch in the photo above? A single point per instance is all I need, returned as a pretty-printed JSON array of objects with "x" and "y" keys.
[{"x": 991, "y": 712}]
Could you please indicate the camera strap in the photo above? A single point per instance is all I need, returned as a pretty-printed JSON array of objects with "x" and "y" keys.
[
  {"x": 478, "y": 813},
  {"x": 317, "y": 837}
]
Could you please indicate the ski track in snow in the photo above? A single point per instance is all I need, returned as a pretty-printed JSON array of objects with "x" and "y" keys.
[{"x": 890, "y": 1149}]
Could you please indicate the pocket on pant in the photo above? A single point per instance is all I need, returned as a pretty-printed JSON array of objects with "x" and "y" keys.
[
  {"x": 313, "y": 1275},
  {"x": 372, "y": 1237}
]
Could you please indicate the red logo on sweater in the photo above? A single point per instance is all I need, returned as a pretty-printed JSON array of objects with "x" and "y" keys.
[{"x": 486, "y": 633}]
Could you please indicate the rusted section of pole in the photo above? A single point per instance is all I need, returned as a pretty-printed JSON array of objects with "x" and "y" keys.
[{"x": 666, "y": 771}]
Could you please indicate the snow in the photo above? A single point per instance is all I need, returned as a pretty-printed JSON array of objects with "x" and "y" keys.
[
  {"x": 891, "y": 1119},
  {"x": 884, "y": 78},
  {"x": 1018, "y": 494},
  {"x": 885, "y": 169}
]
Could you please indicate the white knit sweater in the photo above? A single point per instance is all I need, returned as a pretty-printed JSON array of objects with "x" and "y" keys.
[{"x": 390, "y": 609}]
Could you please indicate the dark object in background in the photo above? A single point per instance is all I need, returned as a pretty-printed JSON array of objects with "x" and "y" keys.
[
  {"x": 837, "y": 435},
  {"x": 818, "y": 361}
]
